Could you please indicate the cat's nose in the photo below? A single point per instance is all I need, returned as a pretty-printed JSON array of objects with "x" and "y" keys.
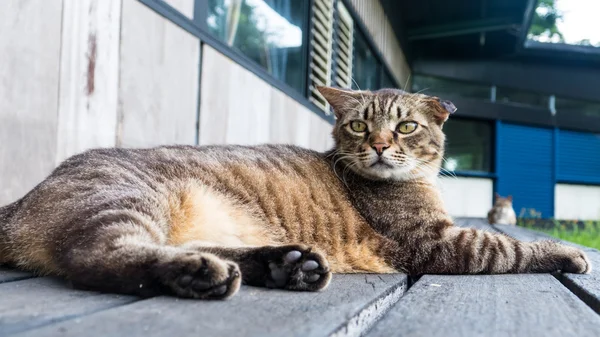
[{"x": 380, "y": 147}]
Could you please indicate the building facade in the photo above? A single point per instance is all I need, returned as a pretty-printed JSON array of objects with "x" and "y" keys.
[
  {"x": 541, "y": 147},
  {"x": 80, "y": 74}
]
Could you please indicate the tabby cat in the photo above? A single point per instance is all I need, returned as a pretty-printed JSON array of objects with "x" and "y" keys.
[
  {"x": 199, "y": 221},
  {"x": 502, "y": 213}
]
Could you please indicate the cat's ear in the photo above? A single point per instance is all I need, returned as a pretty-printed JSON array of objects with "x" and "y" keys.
[
  {"x": 442, "y": 109},
  {"x": 497, "y": 196},
  {"x": 343, "y": 100},
  {"x": 509, "y": 198}
]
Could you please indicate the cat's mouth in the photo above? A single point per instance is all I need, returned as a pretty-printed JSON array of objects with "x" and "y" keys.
[{"x": 381, "y": 163}]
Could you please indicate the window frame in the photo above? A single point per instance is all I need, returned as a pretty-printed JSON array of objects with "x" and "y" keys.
[
  {"x": 360, "y": 28},
  {"x": 198, "y": 27},
  {"x": 492, "y": 173}
]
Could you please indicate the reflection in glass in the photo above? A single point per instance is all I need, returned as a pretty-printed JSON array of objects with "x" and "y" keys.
[
  {"x": 508, "y": 95},
  {"x": 573, "y": 106},
  {"x": 366, "y": 66},
  {"x": 468, "y": 145},
  {"x": 270, "y": 32},
  {"x": 439, "y": 86},
  {"x": 388, "y": 82}
]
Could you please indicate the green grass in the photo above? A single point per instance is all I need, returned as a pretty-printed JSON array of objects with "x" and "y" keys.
[{"x": 588, "y": 236}]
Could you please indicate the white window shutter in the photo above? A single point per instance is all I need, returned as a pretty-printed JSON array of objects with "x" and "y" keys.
[
  {"x": 321, "y": 51},
  {"x": 344, "y": 42}
]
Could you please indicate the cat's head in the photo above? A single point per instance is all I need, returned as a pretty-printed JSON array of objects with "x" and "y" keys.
[
  {"x": 389, "y": 133},
  {"x": 503, "y": 202}
]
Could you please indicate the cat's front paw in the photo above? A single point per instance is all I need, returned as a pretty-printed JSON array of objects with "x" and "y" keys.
[
  {"x": 297, "y": 267},
  {"x": 199, "y": 275},
  {"x": 575, "y": 261}
]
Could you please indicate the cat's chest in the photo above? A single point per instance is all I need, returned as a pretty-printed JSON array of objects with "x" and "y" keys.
[{"x": 387, "y": 206}]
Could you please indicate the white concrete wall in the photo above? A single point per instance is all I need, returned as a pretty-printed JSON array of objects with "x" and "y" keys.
[
  {"x": 80, "y": 74},
  {"x": 237, "y": 107},
  {"x": 30, "y": 40},
  {"x": 576, "y": 202},
  {"x": 467, "y": 197}
]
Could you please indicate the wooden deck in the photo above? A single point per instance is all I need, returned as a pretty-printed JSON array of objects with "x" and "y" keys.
[{"x": 371, "y": 305}]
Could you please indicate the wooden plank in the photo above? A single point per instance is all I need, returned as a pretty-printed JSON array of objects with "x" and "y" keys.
[
  {"x": 41, "y": 301},
  {"x": 29, "y": 77},
  {"x": 489, "y": 305},
  {"x": 10, "y": 275},
  {"x": 586, "y": 287},
  {"x": 523, "y": 234},
  {"x": 158, "y": 90},
  {"x": 474, "y": 223},
  {"x": 347, "y": 307},
  {"x": 89, "y": 76}
]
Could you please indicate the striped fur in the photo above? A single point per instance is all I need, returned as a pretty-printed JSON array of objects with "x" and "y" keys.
[{"x": 198, "y": 221}]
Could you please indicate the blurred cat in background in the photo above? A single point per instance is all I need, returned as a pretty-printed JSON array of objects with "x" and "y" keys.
[{"x": 502, "y": 213}]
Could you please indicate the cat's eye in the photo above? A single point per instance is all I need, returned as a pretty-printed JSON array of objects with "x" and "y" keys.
[
  {"x": 358, "y": 126},
  {"x": 407, "y": 127}
]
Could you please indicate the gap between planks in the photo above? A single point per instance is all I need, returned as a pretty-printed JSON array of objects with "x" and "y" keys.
[{"x": 585, "y": 287}]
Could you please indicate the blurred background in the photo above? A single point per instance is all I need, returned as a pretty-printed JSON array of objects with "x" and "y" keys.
[{"x": 524, "y": 74}]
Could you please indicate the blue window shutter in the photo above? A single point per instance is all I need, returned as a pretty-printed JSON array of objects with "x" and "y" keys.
[
  {"x": 525, "y": 168},
  {"x": 578, "y": 157}
]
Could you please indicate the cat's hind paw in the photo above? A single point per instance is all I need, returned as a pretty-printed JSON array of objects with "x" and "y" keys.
[
  {"x": 199, "y": 275},
  {"x": 297, "y": 267}
]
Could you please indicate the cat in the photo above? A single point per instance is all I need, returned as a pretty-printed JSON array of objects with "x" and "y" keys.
[
  {"x": 502, "y": 213},
  {"x": 197, "y": 222}
]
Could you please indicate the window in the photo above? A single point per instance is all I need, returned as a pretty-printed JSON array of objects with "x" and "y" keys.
[
  {"x": 589, "y": 109},
  {"x": 507, "y": 95},
  {"x": 468, "y": 145},
  {"x": 439, "y": 86},
  {"x": 387, "y": 81},
  {"x": 321, "y": 53},
  {"x": 344, "y": 47},
  {"x": 366, "y": 65},
  {"x": 270, "y": 32}
]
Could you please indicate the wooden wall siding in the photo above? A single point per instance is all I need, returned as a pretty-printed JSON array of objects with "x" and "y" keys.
[
  {"x": 185, "y": 7},
  {"x": 237, "y": 107},
  {"x": 29, "y": 61},
  {"x": 372, "y": 15},
  {"x": 158, "y": 80},
  {"x": 89, "y": 76}
]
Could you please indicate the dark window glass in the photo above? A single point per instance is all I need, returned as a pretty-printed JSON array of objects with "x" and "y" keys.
[
  {"x": 507, "y": 95},
  {"x": 367, "y": 67},
  {"x": 270, "y": 32},
  {"x": 586, "y": 108},
  {"x": 439, "y": 86},
  {"x": 468, "y": 145}
]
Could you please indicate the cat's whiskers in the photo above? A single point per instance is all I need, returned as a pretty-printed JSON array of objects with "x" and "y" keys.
[
  {"x": 342, "y": 157},
  {"x": 406, "y": 83},
  {"x": 451, "y": 174},
  {"x": 359, "y": 90}
]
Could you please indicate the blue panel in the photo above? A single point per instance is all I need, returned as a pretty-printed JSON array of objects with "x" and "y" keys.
[
  {"x": 525, "y": 167},
  {"x": 578, "y": 157}
]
